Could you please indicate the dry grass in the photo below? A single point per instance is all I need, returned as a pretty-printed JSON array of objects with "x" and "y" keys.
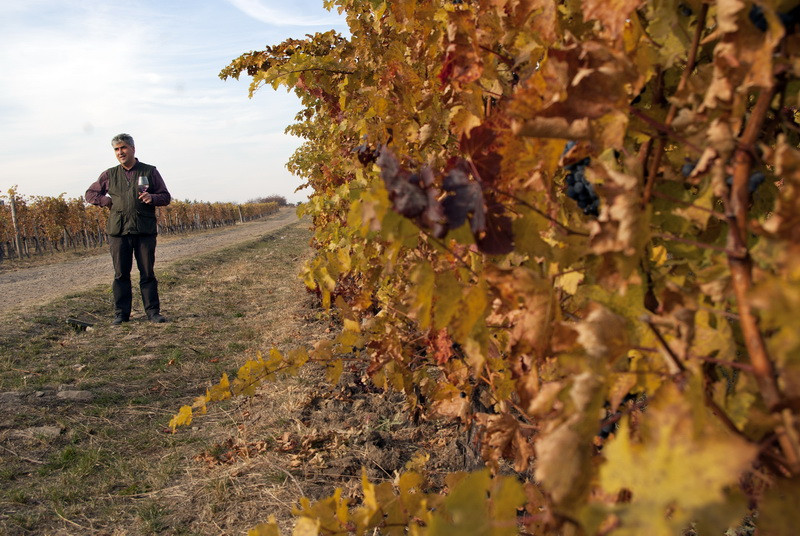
[{"x": 115, "y": 469}]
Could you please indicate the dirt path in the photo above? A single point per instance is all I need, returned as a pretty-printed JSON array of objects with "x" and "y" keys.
[{"x": 21, "y": 289}]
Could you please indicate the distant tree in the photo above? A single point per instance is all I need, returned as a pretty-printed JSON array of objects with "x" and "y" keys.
[{"x": 279, "y": 199}]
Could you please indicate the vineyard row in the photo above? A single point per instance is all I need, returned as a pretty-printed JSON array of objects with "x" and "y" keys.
[{"x": 43, "y": 224}]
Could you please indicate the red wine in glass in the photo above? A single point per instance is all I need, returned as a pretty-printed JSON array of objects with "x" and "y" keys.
[{"x": 142, "y": 183}]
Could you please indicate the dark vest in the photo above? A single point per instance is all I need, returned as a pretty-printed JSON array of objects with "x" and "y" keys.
[{"x": 128, "y": 214}]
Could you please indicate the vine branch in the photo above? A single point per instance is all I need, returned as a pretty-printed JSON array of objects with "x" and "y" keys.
[
  {"x": 673, "y": 109},
  {"x": 741, "y": 266}
]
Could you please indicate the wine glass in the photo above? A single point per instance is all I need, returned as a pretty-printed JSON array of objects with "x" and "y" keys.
[{"x": 142, "y": 183}]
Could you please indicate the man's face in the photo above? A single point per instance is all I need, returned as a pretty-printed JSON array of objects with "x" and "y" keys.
[{"x": 125, "y": 154}]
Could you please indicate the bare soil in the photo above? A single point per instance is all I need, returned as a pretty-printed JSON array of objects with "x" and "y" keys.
[{"x": 26, "y": 286}]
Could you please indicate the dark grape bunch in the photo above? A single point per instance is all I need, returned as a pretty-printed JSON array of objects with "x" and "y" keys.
[
  {"x": 581, "y": 190},
  {"x": 790, "y": 19},
  {"x": 611, "y": 422},
  {"x": 366, "y": 154},
  {"x": 687, "y": 168},
  {"x": 755, "y": 180}
]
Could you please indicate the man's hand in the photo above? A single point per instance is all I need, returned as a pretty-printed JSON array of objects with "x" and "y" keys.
[{"x": 145, "y": 197}]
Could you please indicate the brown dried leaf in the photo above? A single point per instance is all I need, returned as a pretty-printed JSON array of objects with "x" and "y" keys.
[
  {"x": 785, "y": 221},
  {"x": 619, "y": 228},
  {"x": 502, "y": 439},
  {"x": 563, "y": 461},
  {"x": 611, "y": 13}
]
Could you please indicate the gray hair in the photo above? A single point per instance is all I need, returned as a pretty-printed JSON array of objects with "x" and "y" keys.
[{"x": 127, "y": 139}]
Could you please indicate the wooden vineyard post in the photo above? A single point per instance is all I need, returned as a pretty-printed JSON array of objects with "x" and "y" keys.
[
  {"x": 241, "y": 218},
  {"x": 17, "y": 241}
]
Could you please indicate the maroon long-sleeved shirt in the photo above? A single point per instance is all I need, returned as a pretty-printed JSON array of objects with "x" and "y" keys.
[{"x": 96, "y": 194}]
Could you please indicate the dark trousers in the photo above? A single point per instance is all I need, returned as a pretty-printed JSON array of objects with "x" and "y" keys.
[{"x": 123, "y": 250}]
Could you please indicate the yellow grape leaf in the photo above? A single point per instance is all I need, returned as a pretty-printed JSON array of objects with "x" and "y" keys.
[
  {"x": 628, "y": 303},
  {"x": 472, "y": 310},
  {"x": 423, "y": 278},
  {"x": 323, "y": 350},
  {"x": 183, "y": 418},
  {"x": 248, "y": 377},
  {"x": 665, "y": 28},
  {"x": 621, "y": 385},
  {"x": 465, "y": 508},
  {"x": 528, "y": 231},
  {"x": 658, "y": 255},
  {"x": 778, "y": 511},
  {"x": 463, "y": 120},
  {"x": 200, "y": 403},
  {"x": 717, "y": 339},
  {"x": 342, "y": 512},
  {"x": 642, "y": 366},
  {"x": 681, "y": 467},
  {"x": 610, "y": 130},
  {"x": 324, "y": 515},
  {"x": 343, "y": 256},
  {"x": 476, "y": 347},
  {"x": 333, "y": 371},
  {"x": 736, "y": 405},
  {"x": 478, "y": 504},
  {"x": 270, "y": 528},
  {"x": 507, "y": 496},
  {"x": 221, "y": 391},
  {"x": 448, "y": 299},
  {"x": 352, "y": 325},
  {"x": 306, "y": 526},
  {"x": 370, "y": 505},
  {"x": 415, "y": 465},
  {"x": 569, "y": 282},
  {"x": 275, "y": 360},
  {"x": 701, "y": 209},
  {"x": 344, "y": 309},
  {"x": 410, "y": 486},
  {"x": 308, "y": 278},
  {"x": 348, "y": 339},
  {"x": 297, "y": 358}
]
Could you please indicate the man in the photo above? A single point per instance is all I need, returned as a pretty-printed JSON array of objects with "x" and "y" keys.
[{"x": 131, "y": 226}]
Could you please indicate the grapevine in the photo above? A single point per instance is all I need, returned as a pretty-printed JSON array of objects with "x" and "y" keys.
[
  {"x": 444, "y": 209},
  {"x": 46, "y": 224}
]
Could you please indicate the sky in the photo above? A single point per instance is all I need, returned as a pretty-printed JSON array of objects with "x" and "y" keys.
[{"x": 75, "y": 74}]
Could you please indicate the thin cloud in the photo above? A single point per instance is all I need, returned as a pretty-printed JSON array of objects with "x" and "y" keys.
[{"x": 264, "y": 13}]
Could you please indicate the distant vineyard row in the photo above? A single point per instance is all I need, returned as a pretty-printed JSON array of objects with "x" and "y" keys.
[{"x": 31, "y": 225}]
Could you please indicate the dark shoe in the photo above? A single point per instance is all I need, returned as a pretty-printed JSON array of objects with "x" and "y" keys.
[
  {"x": 119, "y": 319},
  {"x": 158, "y": 318}
]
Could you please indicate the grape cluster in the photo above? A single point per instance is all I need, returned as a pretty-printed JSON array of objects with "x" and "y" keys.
[
  {"x": 366, "y": 154},
  {"x": 755, "y": 180},
  {"x": 611, "y": 422},
  {"x": 790, "y": 19},
  {"x": 757, "y": 18},
  {"x": 581, "y": 190}
]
